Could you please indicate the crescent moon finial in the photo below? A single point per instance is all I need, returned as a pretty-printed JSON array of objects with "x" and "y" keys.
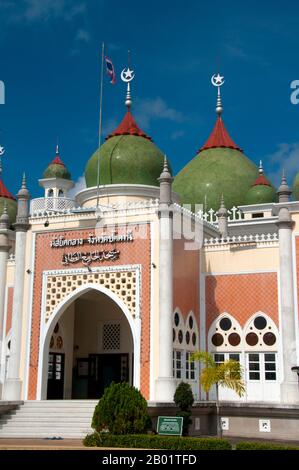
[
  {"x": 127, "y": 75},
  {"x": 218, "y": 81}
]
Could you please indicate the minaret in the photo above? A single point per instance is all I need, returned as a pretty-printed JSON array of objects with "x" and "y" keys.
[
  {"x": 289, "y": 385},
  {"x": 4, "y": 249},
  {"x": 223, "y": 219},
  {"x": 56, "y": 181},
  {"x": 165, "y": 385},
  {"x": 13, "y": 384}
]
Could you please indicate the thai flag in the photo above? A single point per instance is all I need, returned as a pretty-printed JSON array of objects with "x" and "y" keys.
[{"x": 110, "y": 70}]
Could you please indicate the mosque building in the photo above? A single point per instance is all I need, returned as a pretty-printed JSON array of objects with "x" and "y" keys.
[{"x": 111, "y": 286}]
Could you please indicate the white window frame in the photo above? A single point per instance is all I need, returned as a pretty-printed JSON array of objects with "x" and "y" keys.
[{"x": 262, "y": 369}]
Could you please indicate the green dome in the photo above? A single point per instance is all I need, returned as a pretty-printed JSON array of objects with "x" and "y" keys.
[
  {"x": 296, "y": 187},
  {"x": 213, "y": 172},
  {"x": 127, "y": 159},
  {"x": 11, "y": 205},
  {"x": 57, "y": 168},
  {"x": 260, "y": 194},
  {"x": 57, "y": 171}
]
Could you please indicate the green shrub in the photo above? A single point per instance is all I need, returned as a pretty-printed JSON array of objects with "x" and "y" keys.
[
  {"x": 183, "y": 396},
  {"x": 136, "y": 441},
  {"x": 244, "y": 445},
  {"x": 121, "y": 410},
  {"x": 184, "y": 399}
]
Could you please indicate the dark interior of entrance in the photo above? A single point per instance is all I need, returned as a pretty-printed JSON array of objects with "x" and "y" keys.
[{"x": 95, "y": 348}]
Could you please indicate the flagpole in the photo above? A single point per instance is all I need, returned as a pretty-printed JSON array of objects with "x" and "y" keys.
[{"x": 100, "y": 124}]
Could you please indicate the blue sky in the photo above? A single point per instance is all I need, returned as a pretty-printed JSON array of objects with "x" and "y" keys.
[{"x": 50, "y": 64}]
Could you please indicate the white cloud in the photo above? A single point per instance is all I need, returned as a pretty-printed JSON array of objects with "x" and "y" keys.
[
  {"x": 147, "y": 109},
  {"x": 238, "y": 51},
  {"x": 79, "y": 186},
  {"x": 286, "y": 158},
  {"x": 40, "y": 10},
  {"x": 177, "y": 134},
  {"x": 83, "y": 35},
  {"x": 109, "y": 125}
]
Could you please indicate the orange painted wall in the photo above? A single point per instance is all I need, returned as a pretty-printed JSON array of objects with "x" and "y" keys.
[
  {"x": 47, "y": 258},
  {"x": 186, "y": 279},
  {"x": 241, "y": 295}
]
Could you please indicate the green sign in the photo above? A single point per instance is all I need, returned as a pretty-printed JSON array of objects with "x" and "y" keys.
[{"x": 170, "y": 425}]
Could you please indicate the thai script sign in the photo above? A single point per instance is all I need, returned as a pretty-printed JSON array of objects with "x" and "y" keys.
[{"x": 61, "y": 242}]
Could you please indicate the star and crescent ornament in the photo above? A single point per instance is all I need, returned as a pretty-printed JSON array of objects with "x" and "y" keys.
[
  {"x": 217, "y": 80},
  {"x": 127, "y": 75},
  {"x": 2, "y": 150}
]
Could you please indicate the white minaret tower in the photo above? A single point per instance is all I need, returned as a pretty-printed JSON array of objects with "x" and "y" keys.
[
  {"x": 56, "y": 182},
  {"x": 13, "y": 383},
  {"x": 289, "y": 385},
  {"x": 165, "y": 384},
  {"x": 4, "y": 249}
]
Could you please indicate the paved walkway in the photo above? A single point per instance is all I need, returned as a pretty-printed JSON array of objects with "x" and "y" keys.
[{"x": 42, "y": 444}]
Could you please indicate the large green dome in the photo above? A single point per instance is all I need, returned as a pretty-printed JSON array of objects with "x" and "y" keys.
[
  {"x": 128, "y": 156},
  {"x": 11, "y": 206},
  {"x": 7, "y": 198},
  {"x": 220, "y": 167},
  {"x": 214, "y": 172},
  {"x": 296, "y": 187}
]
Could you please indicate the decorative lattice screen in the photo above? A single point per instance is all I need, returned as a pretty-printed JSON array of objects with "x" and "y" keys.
[
  {"x": 111, "y": 337},
  {"x": 122, "y": 283}
]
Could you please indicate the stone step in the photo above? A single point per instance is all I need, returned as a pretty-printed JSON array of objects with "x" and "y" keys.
[
  {"x": 66, "y": 434},
  {"x": 45, "y": 421},
  {"x": 41, "y": 419}
]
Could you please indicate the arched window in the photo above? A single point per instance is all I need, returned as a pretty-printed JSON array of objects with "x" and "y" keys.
[
  {"x": 60, "y": 193},
  {"x": 50, "y": 193}
]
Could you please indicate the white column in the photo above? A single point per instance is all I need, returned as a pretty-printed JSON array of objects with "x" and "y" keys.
[
  {"x": 3, "y": 267},
  {"x": 13, "y": 383},
  {"x": 165, "y": 385},
  {"x": 289, "y": 385}
]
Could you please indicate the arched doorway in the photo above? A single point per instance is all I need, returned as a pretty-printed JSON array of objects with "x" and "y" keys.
[{"x": 90, "y": 341}]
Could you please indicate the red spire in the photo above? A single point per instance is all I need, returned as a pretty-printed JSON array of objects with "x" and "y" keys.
[
  {"x": 4, "y": 192},
  {"x": 128, "y": 126},
  {"x": 261, "y": 180},
  {"x": 220, "y": 138},
  {"x": 57, "y": 160}
]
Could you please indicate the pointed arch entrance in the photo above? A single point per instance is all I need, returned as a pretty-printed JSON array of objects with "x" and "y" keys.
[{"x": 90, "y": 340}]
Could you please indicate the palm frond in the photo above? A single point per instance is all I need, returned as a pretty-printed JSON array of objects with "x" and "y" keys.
[
  {"x": 204, "y": 357},
  {"x": 227, "y": 374}
]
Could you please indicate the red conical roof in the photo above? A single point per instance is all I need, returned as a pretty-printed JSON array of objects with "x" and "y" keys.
[
  {"x": 220, "y": 138},
  {"x": 261, "y": 180},
  {"x": 128, "y": 126},
  {"x": 57, "y": 160},
  {"x": 4, "y": 192}
]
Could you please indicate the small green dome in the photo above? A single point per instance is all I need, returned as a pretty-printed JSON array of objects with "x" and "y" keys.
[
  {"x": 127, "y": 159},
  {"x": 296, "y": 187},
  {"x": 11, "y": 205},
  {"x": 213, "y": 172},
  {"x": 57, "y": 168},
  {"x": 57, "y": 171},
  {"x": 260, "y": 194}
]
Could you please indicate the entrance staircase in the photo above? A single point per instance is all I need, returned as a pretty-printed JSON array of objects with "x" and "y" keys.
[{"x": 49, "y": 419}]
